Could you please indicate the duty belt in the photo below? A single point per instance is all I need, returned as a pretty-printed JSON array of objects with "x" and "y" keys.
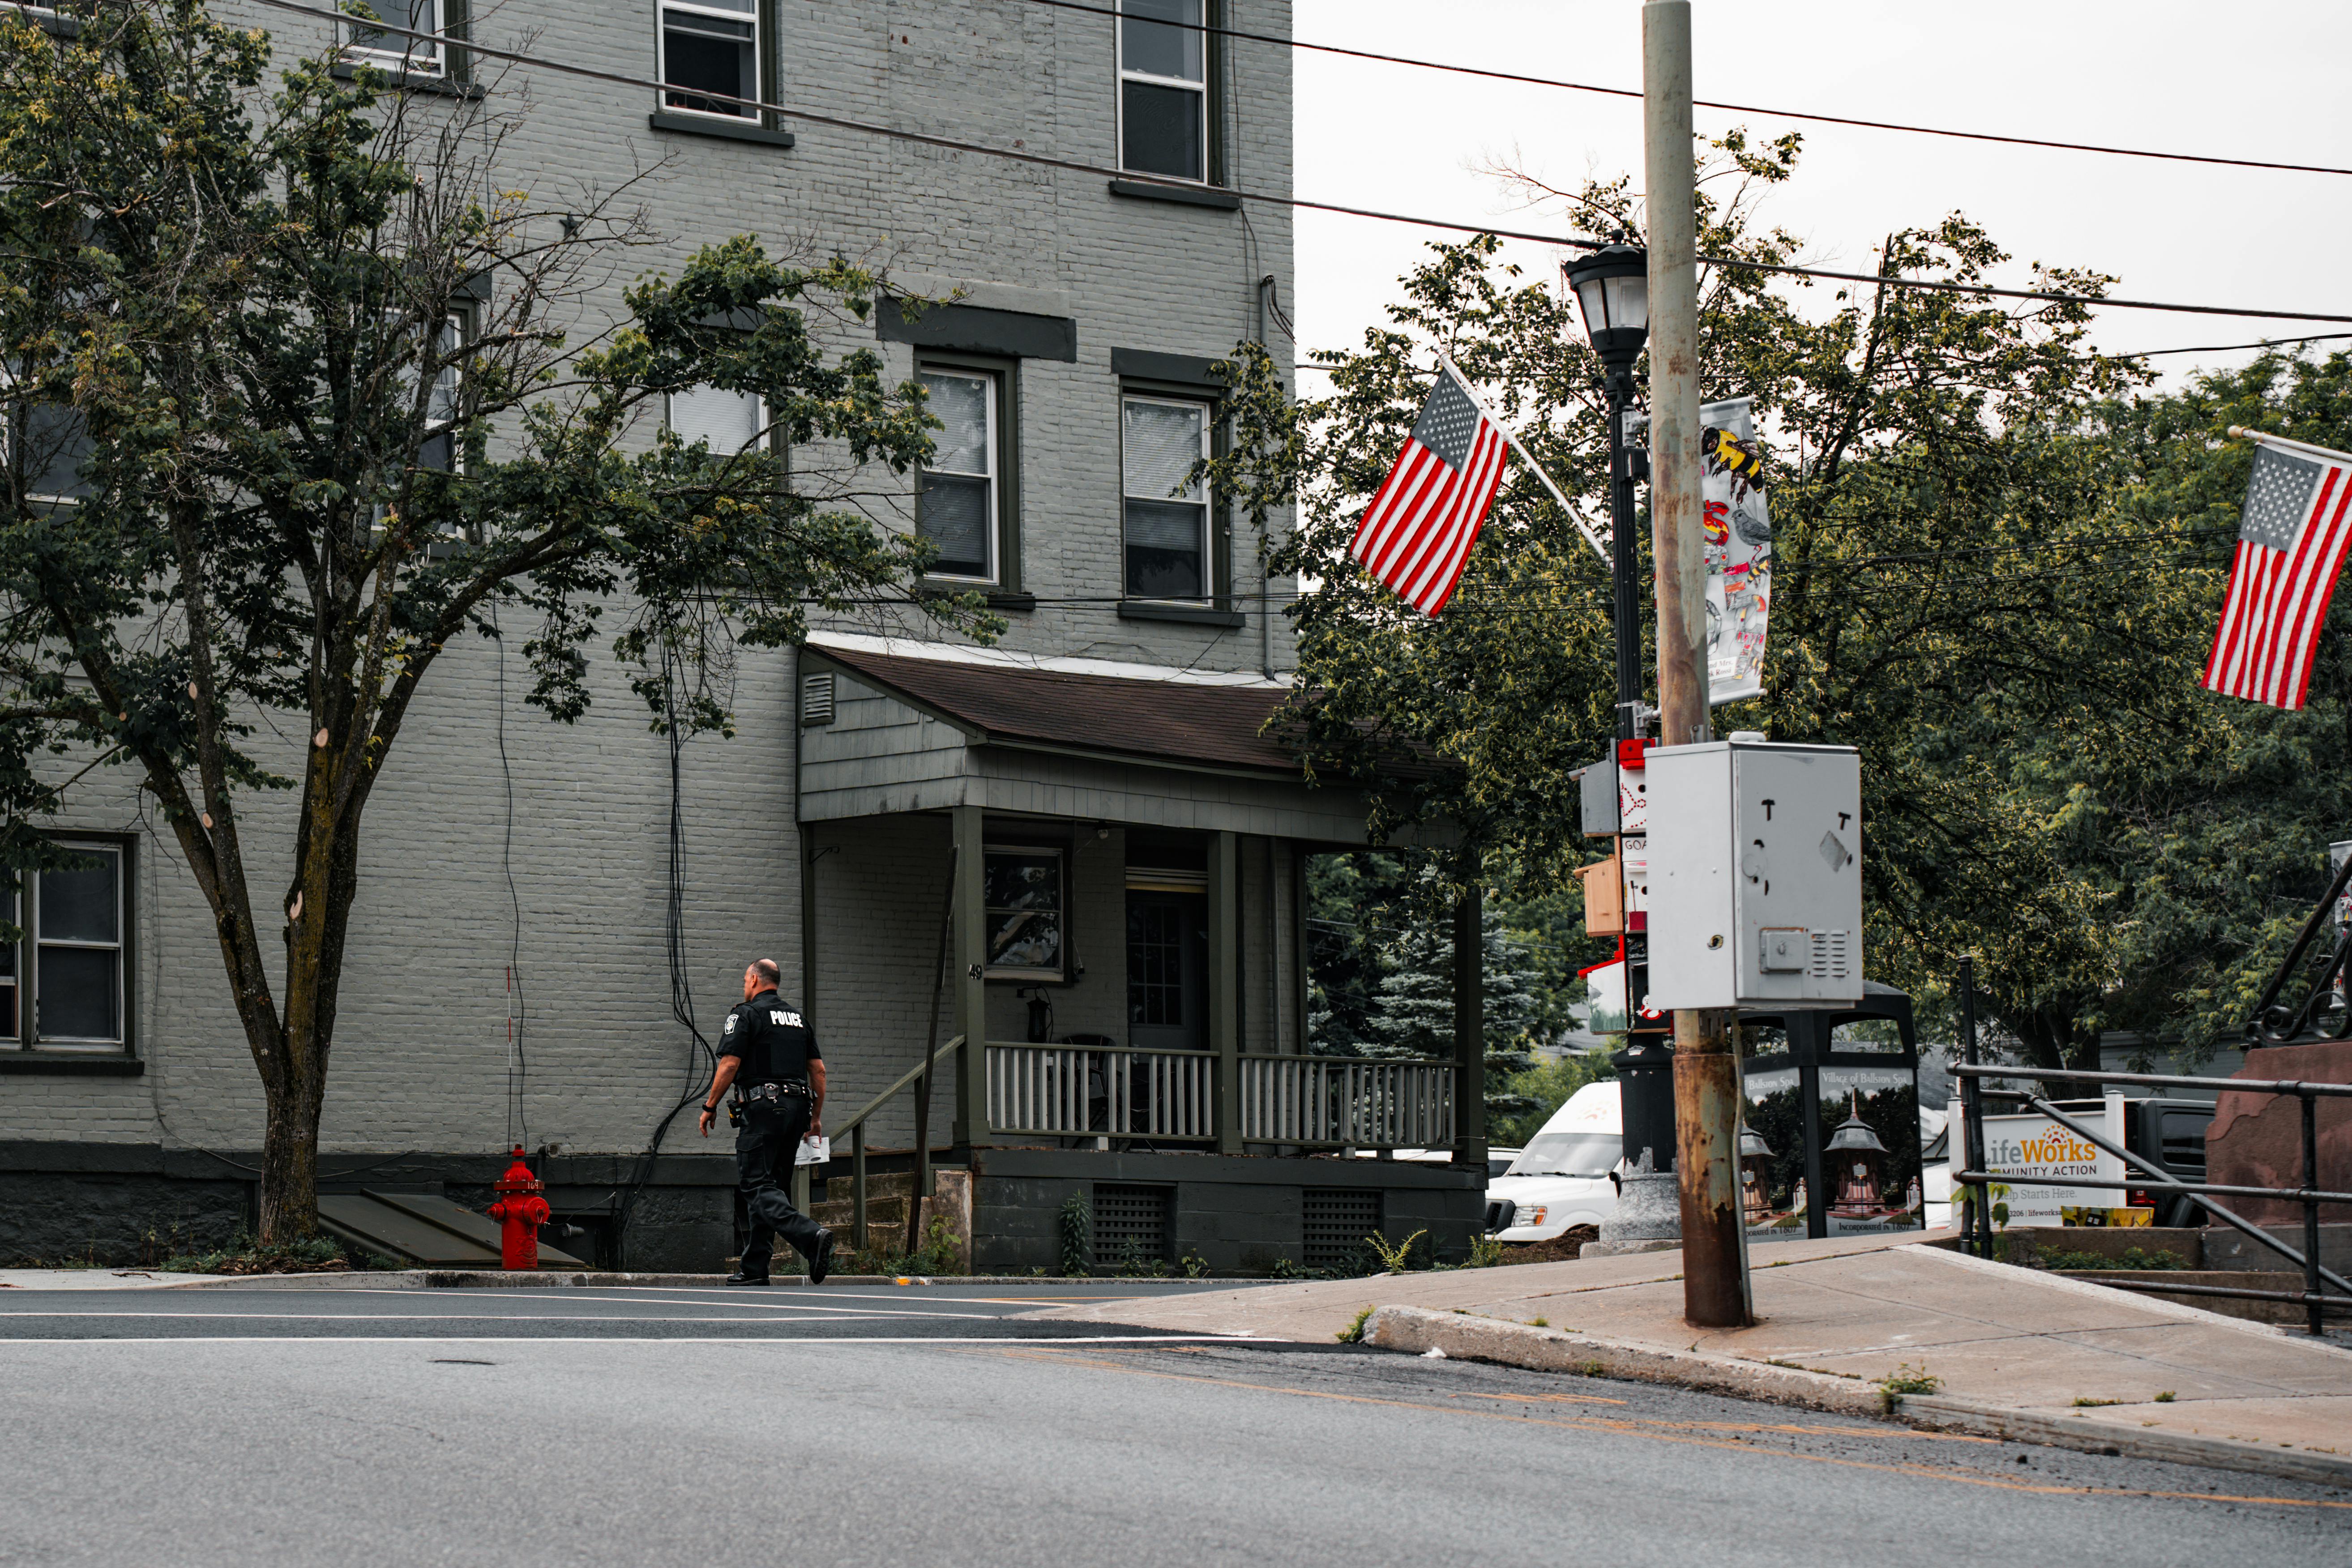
[{"x": 773, "y": 1090}]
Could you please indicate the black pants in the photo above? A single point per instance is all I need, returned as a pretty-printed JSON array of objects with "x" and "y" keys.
[{"x": 773, "y": 1129}]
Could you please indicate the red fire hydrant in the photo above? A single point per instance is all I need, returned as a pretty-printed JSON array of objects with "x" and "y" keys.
[{"x": 520, "y": 1211}]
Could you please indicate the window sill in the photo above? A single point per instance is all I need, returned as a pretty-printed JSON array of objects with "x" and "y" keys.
[
  {"x": 1000, "y": 601},
  {"x": 1188, "y": 615},
  {"x": 407, "y": 81},
  {"x": 62, "y": 1065},
  {"x": 1183, "y": 195},
  {"x": 725, "y": 129}
]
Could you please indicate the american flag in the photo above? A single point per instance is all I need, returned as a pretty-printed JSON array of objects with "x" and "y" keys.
[
  {"x": 1417, "y": 533},
  {"x": 2291, "y": 540}
]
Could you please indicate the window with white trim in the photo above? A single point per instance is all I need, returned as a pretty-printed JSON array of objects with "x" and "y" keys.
[
  {"x": 397, "y": 51},
  {"x": 1163, "y": 89},
  {"x": 442, "y": 449},
  {"x": 1165, "y": 510},
  {"x": 728, "y": 422},
  {"x": 63, "y": 985},
  {"x": 957, "y": 495},
  {"x": 709, "y": 46}
]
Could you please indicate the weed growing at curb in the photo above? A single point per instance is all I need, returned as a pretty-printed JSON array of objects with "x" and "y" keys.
[
  {"x": 2164, "y": 1397},
  {"x": 1353, "y": 1334},
  {"x": 1906, "y": 1379},
  {"x": 2083, "y": 1404},
  {"x": 1540, "y": 1323}
]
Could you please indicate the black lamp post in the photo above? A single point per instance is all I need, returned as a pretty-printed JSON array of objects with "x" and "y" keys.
[
  {"x": 1612, "y": 288},
  {"x": 1612, "y": 285}
]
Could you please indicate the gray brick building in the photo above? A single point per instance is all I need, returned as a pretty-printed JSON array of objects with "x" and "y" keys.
[{"x": 1128, "y": 849}]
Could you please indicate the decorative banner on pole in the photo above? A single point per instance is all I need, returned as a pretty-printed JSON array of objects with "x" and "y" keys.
[{"x": 1739, "y": 552}]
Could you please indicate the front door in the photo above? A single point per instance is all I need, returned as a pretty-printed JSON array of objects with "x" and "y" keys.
[{"x": 1168, "y": 970}]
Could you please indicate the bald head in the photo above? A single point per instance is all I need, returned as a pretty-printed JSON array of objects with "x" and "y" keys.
[{"x": 762, "y": 975}]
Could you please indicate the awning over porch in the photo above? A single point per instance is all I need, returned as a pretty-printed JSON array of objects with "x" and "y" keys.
[{"x": 896, "y": 727}]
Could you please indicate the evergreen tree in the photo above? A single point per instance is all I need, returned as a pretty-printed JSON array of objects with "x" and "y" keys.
[{"x": 1415, "y": 1012}]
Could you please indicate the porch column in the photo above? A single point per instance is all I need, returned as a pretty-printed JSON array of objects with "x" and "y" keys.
[
  {"x": 1225, "y": 994},
  {"x": 1470, "y": 1025},
  {"x": 971, "y": 922}
]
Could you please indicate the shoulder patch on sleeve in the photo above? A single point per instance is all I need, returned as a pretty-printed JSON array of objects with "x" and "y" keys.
[{"x": 730, "y": 1025}]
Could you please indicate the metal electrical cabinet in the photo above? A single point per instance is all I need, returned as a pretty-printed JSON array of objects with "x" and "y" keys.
[{"x": 1754, "y": 874}]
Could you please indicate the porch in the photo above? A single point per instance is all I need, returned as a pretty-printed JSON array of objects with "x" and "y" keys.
[{"x": 1112, "y": 868}]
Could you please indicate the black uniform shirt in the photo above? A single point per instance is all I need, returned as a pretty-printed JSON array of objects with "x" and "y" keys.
[{"x": 771, "y": 1039}]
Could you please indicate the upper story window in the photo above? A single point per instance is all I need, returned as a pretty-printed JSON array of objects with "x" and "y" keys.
[
  {"x": 397, "y": 51},
  {"x": 46, "y": 444},
  {"x": 711, "y": 46},
  {"x": 957, "y": 498},
  {"x": 727, "y": 421},
  {"x": 63, "y": 984},
  {"x": 1163, "y": 89},
  {"x": 1166, "y": 514},
  {"x": 444, "y": 406}
]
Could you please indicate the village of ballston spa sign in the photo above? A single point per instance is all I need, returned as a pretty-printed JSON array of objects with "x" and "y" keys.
[{"x": 2021, "y": 1149}]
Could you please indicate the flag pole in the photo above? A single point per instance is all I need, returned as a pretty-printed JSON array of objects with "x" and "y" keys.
[
  {"x": 1525, "y": 456},
  {"x": 2264, "y": 438}
]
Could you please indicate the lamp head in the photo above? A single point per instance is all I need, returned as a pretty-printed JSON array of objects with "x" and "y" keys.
[{"x": 1612, "y": 288}]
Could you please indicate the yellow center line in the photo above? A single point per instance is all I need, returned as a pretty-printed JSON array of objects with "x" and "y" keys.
[{"x": 1670, "y": 1432}]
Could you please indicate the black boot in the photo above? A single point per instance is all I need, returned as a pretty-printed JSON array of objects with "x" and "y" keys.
[
  {"x": 740, "y": 1277},
  {"x": 821, "y": 1264}
]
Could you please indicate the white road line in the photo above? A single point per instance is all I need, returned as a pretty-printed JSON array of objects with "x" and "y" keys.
[
  {"x": 459, "y": 1316},
  {"x": 572, "y": 1299},
  {"x": 633, "y": 1339}
]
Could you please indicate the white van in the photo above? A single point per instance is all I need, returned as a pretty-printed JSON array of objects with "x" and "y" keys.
[{"x": 1561, "y": 1177}]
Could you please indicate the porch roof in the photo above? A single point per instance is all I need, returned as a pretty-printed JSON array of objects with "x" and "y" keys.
[{"x": 1166, "y": 720}]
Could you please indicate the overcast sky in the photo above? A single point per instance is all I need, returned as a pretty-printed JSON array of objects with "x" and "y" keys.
[{"x": 2261, "y": 79}]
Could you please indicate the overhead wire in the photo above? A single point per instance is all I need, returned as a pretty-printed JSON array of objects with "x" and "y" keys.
[
  {"x": 1634, "y": 92},
  {"x": 1071, "y": 166}
]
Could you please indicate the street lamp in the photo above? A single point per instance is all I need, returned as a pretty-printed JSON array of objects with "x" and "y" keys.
[
  {"x": 1612, "y": 288},
  {"x": 1613, "y": 285}
]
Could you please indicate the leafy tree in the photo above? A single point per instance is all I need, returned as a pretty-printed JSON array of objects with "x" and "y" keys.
[
  {"x": 1997, "y": 565},
  {"x": 226, "y": 317}
]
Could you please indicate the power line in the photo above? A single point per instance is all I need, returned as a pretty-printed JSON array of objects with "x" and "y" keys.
[
  {"x": 1707, "y": 103},
  {"x": 1073, "y": 167},
  {"x": 2234, "y": 348}
]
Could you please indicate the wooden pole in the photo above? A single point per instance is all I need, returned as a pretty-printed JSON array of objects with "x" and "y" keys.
[
  {"x": 1707, "y": 1075},
  {"x": 916, "y": 1194}
]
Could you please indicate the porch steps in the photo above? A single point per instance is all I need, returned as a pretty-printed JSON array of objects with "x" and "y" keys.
[{"x": 886, "y": 1197}]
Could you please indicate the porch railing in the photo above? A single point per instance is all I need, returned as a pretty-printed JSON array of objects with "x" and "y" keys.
[
  {"x": 1107, "y": 1091},
  {"x": 1368, "y": 1104}
]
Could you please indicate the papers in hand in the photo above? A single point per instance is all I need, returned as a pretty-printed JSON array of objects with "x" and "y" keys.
[{"x": 813, "y": 1151}]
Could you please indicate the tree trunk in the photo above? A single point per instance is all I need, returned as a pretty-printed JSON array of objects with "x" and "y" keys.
[{"x": 289, "y": 1157}]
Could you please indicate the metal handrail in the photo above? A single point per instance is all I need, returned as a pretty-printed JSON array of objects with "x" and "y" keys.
[
  {"x": 1971, "y": 1073},
  {"x": 855, "y": 1128}
]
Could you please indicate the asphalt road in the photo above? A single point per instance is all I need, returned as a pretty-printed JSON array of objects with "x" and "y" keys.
[{"x": 879, "y": 1425}]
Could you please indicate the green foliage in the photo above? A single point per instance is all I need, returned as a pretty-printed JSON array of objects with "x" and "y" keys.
[
  {"x": 1906, "y": 1379},
  {"x": 1283, "y": 1269},
  {"x": 1353, "y": 1334},
  {"x": 940, "y": 1253},
  {"x": 1997, "y": 564},
  {"x": 1485, "y": 1252},
  {"x": 225, "y": 313},
  {"x": 306, "y": 1255},
  {"x": 2132, "y": 1257},
  {"x": 1075, "y": 1228},
  {"x": 1396, "y": 1258}
]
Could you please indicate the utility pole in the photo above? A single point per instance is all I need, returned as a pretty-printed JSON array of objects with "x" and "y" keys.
[{"x": 1707, "y": 1075}]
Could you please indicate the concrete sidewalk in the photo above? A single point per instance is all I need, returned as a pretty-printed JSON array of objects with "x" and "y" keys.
[
  {"x": 2016, "y": 1352},
  {"x": 97, "y": 1278}
]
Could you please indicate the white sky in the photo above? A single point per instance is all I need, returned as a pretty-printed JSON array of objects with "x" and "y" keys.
[{"x": 2260, "y": 79}]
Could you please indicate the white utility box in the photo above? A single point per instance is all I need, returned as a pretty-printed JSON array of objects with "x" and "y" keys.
[{"x": 1754, "y": 874}]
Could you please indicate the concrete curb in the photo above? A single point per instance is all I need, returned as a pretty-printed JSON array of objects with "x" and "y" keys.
[
  {"x": 558, "y": 1280},
  {"x": 1418, "y": 1330}
]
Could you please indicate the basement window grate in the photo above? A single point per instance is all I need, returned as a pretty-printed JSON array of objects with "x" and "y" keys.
[
  {"x": 1337, "y": 1221},
  {"x": 816, "y": 698},
  {"x": 1132, "y": 1224}
]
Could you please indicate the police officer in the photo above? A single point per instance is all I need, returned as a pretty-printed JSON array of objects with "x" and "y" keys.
[{"x": 768, "y": 1054}]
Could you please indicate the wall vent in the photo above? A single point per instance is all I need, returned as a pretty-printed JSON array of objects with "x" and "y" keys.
[
  {"x": 816, "y": 700},
  {"x": 1830, "y": 955},
  {"x": 1132, "y": 1224},
  {"x": 1337, "y": 1221}
]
